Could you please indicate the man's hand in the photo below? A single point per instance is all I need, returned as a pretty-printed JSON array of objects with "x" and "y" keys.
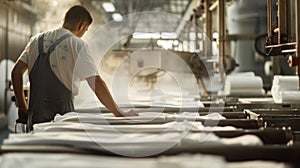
[
  {"x": 129, "y": 112},
  {"x": 23, "y": 115}
]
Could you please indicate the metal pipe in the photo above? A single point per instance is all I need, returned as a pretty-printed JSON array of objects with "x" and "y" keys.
[
  {"x": 281, "y": 20},
  {"x": 289, "y": 20},
  {"x": 6, "y": 58},
  {"x": 196, "y": 45},
  {"x": 208, "y": 28},
  {"x": 280, "y": 45},
  {"x": 221, "y": 15},
  {"x": 297, "y": 5},
  {"x": 214, "y": 6},
  {"x": 269, "y": 8}
]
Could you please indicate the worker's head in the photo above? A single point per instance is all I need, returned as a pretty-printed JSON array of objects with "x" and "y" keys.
[{"x": 77, "y": 20}]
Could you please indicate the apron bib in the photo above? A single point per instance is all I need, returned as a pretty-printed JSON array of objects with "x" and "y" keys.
[{"x": 48, "y": 96}]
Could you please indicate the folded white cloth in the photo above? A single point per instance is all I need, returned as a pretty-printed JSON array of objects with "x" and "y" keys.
[
  {"x": 141, "y": 128},
  {"x": 149, "y": 117},
  {"x": 86, "y": 127},
  {"x": 109, "y": 118},
  {"x": 246, "y": 140},
  {"x": 85, "y": 139},
  {"x": 244, "y": 85},
  {"x": 63, "y": 160},
  {"x": 285, "y": 89}
]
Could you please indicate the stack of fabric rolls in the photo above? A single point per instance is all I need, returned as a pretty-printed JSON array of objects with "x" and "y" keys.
[{"x": 285, "y": 89}]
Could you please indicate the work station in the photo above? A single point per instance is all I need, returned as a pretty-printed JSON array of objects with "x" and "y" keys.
[{"x": 150, "y": 83}]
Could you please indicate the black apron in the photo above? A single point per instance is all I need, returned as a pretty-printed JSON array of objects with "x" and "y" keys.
[{"x": 48, "y": 96}]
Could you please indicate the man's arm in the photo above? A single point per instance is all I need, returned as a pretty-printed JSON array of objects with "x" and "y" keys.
[
  {"x": 99, "y": 87},
  {"x": 17, "y": 81}
]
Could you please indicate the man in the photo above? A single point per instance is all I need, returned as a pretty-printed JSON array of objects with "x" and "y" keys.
[{"x": 50, "y": 58}]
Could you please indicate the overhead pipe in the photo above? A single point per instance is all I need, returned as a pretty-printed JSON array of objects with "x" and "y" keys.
[
  {"x": 222, "y": 28},
  {"x": 297, "y": 6},
  {"x": 6, "y": 59}
]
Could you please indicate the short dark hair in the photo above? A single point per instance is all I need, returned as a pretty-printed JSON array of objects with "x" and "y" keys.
[{"x": 77, "y": 14}]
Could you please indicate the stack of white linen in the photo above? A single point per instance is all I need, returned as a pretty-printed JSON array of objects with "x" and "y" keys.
[
  {"x": 285, "y": 89},
  {"x": 150, "y": 117},
  {"x": 62, "y": 160},
  {"x": 244, "y": 84}
]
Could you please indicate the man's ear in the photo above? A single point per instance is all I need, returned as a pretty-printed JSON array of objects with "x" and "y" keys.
[{"x": 82, "y": 26}]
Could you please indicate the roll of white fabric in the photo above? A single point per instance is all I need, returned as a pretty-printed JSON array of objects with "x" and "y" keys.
[
  {"x": 247, "y": 92},
  {"x": 285, "y": 82},
  {"x": 285, "y": 89},
  {"x": 244, "y": 84},
  {"x": 287, "y": 97}
]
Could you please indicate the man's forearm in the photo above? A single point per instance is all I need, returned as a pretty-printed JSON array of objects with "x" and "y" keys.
[
  {"x": 17, "y": 81},
  {"x": 103, "y": 94}
]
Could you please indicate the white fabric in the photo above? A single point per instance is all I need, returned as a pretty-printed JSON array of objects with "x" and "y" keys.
[
  {"x": 243, "y": 140},
  {"x": 141, "y": 128},
  {"x": 108, "y": 118},
  {"x": 46, "y": 160},
  {"x": 69, "y": 52},
  {"x": 63, "y": 160},
  {"x": 257, "y": 163},
  {"x": 244, "y": 84},
  {"x": 94, "y": 118},
  {"x": 84, "y": 139},
  {"x": 146, "y": 140},
  {"x": 246, "y": 92},
  {"x": 285, "y": 89},
  {"x": 246, "y": 140}
]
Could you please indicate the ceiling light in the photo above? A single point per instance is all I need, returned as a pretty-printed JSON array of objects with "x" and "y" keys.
[
  {"x": 141, "y": 35},
  {"x": 117, "y": 17},
  {"x": 108, "y": 7},
  {"x": 168, "y": 35}
]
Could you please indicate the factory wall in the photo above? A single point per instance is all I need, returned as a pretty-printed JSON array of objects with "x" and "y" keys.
[{"x": 16, "y": 28}]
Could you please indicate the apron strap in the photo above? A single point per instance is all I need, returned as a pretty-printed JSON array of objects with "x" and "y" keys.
[
  {"x": 41, "y": 44},
  {"x": 52, "y": 47}
]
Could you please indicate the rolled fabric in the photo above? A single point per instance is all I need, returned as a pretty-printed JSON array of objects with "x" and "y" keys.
[
  {"x": 285, "y": 82},
  {"x": 247, "y": 92},
  {"x": 285, "y": 89},
  {"x": 287, "y": 97},
  {"x": 244, "y": 84}
]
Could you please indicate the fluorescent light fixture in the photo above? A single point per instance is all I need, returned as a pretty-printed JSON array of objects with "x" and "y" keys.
[
  {"x": 108, "y": 7},
  {"x": 168, "y": 35},
  {"x": 140, "y": 35},
  {"x": 117, "y": 17}
]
